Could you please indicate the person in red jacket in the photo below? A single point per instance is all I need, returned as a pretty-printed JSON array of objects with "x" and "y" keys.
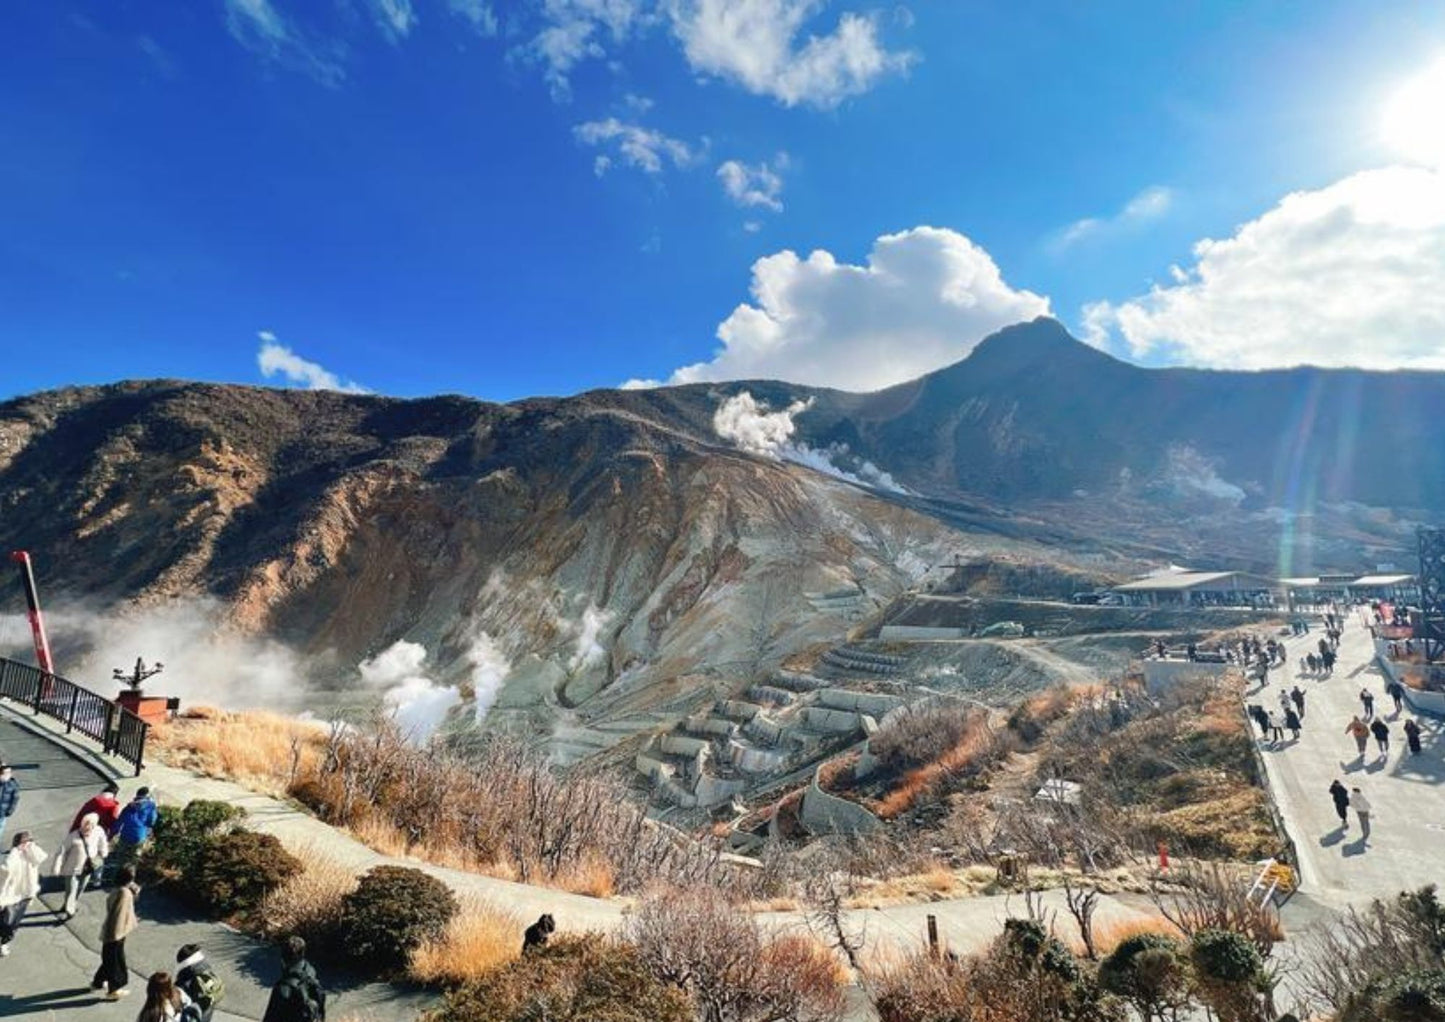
[{"x": 106, "y": 807}]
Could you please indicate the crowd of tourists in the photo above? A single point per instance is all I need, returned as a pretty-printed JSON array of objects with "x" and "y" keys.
[
  {"x": 100, "y": 851},
  {"x": 1363, "y": 727}
]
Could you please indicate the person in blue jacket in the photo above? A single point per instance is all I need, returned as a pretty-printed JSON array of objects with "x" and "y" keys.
[
  {"x": 9, "y": 795},
  {"x": 132, "y": 831}
]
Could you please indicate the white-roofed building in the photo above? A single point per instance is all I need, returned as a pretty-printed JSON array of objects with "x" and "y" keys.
[{"x": 1176, "y": 587}]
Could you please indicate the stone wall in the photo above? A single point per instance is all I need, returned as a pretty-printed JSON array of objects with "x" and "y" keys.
[{"x": 822, "y": 813}]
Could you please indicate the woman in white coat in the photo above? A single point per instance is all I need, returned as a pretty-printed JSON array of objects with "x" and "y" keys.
[
  {"x": 19, "y": 882},
  {"x": 84, "y": 850}
]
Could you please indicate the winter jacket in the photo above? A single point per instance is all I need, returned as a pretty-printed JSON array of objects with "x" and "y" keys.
[
  {"x": 120, "y": 917},
  {"x": 1340, "y": 795},
  {"x": 105, "y": 808},
  {"x": 297, "y": 996},
  {"x": 78, "y": 849},
  {"x": 189, "y": 974},
  {"x": 137, "y": 820},
  {"x": 20, "y": 873},
  {"x": 9, "y": 797},
  {"x": 1361, "y": 804},
  {"x": 1381, "y": 730}
]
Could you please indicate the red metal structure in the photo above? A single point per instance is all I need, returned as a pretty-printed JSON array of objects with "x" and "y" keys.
[{"x": 32, "y": 604}]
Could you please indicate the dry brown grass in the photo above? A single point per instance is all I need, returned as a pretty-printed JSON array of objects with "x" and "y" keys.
[
  {"x": 976, "y": 744},
  {"x": 592, "y": 876},
  {"x": 309, "y": 904},
  {"x": 1110, "y": 933},
  {"x": 264, "y": 751},
  {"x": 481, "y": 938}
]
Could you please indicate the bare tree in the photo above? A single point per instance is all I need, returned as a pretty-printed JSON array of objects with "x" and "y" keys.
[{"x": 1082, "y": 903}]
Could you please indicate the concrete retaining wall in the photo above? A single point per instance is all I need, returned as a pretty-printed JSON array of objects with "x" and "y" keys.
[
  {"x": 755, "y": 760},
  {"x": 770, "y": 694},
  {"x": 822, "y": 813},
  {"x": 919, "y": 633},
  {"x": 678, "y": 745},
  {"x": 1162, "y": 674},
  {"x": 871, "y": 703},
  {"x": 736, "y": 709},
  {"x": 1432, "y": 703},
  {"x": 833, "y": 721},
  {"x": 702, "y": 724},
  {"x": 760, "y": 729}
]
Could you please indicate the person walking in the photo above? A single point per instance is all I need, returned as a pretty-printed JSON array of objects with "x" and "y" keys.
[
  {"x": 1341, "y": 799},
  {"x": 1256, "y": 714},
  {"x": 1291, "y": 721},
  {"x": 1275, "y": 733},
  {"x": 165, "y": 1001},
  {"x": 1396, "y": 692},
  {"x": 9, "y": 795},
  {"x": 198, "y": 981},
  {"x": 1362, "y": 810},
  {"x": 85, "y": 847},
  {"x": 1284, "y": 703},
  {"x": 1412, "y": 737},
  {"x": 132, "y": 831},
  {"x": 19, "y": 882},
  {"x": 1367, "y": 700},
  {"x": 120, "y": 921},
  {"x": 1382, "y": 735},
  {"x": 105, "y": 806},
  {"x": 1360, "y": 731},
  {"x": 1298, "y": 697},
  {"x": 297, "y": 995}
]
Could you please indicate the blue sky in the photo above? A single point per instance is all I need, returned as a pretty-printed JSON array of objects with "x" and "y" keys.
[{"x": 544, "y": 196}]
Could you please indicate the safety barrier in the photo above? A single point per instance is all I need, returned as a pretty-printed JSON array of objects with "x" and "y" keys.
[{"x": 120, "y": 733}]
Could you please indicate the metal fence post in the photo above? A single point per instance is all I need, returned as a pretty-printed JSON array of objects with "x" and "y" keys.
[{"x": 70, "y": 716}]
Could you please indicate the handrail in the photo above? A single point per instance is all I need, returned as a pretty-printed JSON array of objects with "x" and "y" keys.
[{"x": 120, "y": 733}]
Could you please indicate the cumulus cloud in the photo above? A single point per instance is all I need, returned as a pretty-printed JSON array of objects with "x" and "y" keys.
[
  {"x": 261, "y": 28},
  {"x": 754, "y": 185},
  {"x": 636, "y": 146},
  {"x": 755, "y": 44},
  {"x": 751, "y": 426},
  {"x": 275, "y": 359},
  {"x": 925, "y": 297},
  {"x": 576, "y": 30},
  {"x": 1351, "y": 274},
  {"x": 395, "y": 18},
  {"x": 1150, "y": 204}
]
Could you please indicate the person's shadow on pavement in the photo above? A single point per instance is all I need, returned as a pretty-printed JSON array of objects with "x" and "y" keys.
[
  {"x": 74, "y": 997},
  {"x": 1355, "y": 847},
  {"x": 1334, "y": 837}
]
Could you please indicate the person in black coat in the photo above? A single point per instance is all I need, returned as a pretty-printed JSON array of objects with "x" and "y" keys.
[
  {"x": 297, "y": 995},
  {"x": 1341, "y": 796},
  {"x": 1412, "y": 737},
  {"x": 1381, "y": 731},
  {"x": 1291, "y": 721}
]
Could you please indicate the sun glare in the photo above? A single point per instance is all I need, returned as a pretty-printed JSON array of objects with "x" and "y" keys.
[{"x": 1414, "y": 118}]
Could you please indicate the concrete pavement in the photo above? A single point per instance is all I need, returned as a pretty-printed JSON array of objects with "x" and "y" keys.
[
  {"x": 48, "y": 972},
  {"x": 1406, "y": 848}
]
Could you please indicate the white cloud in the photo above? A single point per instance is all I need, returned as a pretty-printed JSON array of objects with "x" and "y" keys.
[
  {"x": 1352, "y": 274},
  {"x": 262, "y": 29},
  {"x": 924, "y": 299},
  {"x": 479, "y": 12},
  {"x": 275, "y": 359},
  {"x": 639, "y": 104},
  {"x": 1150, "y": 204},
  {"x": 395, "y": 18},
  {"x": 636, "y": 146},
  {"x": 575, "y": 30},
  {"x": 755, "y": 43},
  {"x": 754, "y": 185}
]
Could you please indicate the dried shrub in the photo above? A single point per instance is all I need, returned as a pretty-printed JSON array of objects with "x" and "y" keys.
[
  {"x": 698, "y": 943},
  {"x": 936, "y": 750},
  {"x": 1212, "y": 896},
  {"x": 573, "y": 979},
  {"x": 481, "y": 938},
  {"x": 267, "y": 752},
  {"x": 391, "y": 913},
  {"x": 309, "y": 905}
]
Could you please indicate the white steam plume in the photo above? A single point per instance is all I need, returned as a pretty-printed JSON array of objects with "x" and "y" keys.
[
  {"x": 589, "y": 651},
  {"x": 490, "y": 668},
  {"x": 419, "y": 704}
]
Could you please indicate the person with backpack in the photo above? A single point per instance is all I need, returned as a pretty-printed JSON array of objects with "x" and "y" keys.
[
  {"x": 165, "y": 1001},
  {"x": 297, "y": 995},
  {"x": 199, "y": 982},
  {"x": 132, "y": 831},
  {"x": 9, "y": 795}
]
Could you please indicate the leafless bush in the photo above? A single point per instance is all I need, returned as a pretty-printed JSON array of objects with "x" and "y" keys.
[
  {"x": 921, "y": 737},
  {"x": 696, "y": 941},
  {"x": 1209, "y": 896},
  {"x": 500, "y": 805},
  {"x": 1334, "y": 963}
]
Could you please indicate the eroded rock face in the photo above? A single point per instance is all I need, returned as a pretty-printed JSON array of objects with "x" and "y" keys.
[{"x": 605, "y": 553}]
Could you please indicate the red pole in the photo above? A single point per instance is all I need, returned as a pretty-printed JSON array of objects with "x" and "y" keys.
[
  {"x": 32, "y": 603},
  {"x": 1163, "y": 857}
]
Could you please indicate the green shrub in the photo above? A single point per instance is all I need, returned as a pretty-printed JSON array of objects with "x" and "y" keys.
[
  {"x": 573, "y": 979},
  {"x": 1225, "y": 957},
  {"x": 236, "y": 870},
  {"x": 1148, "y": 970},
  {"x": 1417, "y": 996},
  {"x": 182, "y": 836},
  {"x": 1036, "y": 946},
  {"x": 391, "y": 912}
]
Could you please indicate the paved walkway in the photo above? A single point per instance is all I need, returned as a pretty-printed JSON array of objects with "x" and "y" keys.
[
  {"x": 48, "y": 973},
  {"x": 1406, "y": 848}
]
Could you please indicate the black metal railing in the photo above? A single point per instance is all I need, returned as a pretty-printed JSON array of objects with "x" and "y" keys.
[{"x": 119, "y": 732}]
